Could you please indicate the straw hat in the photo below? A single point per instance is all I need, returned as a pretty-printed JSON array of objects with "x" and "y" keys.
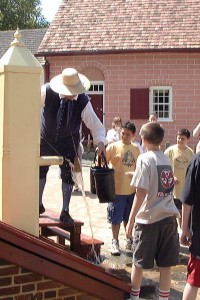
[{"x": 70, "y": 83}]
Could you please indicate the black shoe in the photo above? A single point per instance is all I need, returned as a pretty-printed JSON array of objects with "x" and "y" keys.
[
  {"x": 77, "y": 190},
  {"x": 41, "y": 209},
  {"x": 65, "y": 217}
]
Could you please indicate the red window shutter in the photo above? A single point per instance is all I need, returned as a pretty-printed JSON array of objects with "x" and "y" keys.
[{"x": 139, "y": 103}]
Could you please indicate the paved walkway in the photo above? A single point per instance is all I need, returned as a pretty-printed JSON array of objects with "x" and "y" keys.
[{"x": 93, "y": 214}]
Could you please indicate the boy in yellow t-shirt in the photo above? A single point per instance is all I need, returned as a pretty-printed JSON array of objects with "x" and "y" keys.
[
  {"x": 122, "y": 155},
  {"x": 180, "y": 155}
]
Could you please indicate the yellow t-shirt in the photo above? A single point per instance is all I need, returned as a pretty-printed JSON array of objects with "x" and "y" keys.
[
  {"x": 122, "y": 158},
  {"x": 180, "y": 160}
]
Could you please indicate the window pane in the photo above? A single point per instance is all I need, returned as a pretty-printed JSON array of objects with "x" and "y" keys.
[
  {"x": 166, "y": 114},
  {"x": 161, "y": 102},
  {"x": 155, "y": 100},
  {"x": 91, "y": 88}
]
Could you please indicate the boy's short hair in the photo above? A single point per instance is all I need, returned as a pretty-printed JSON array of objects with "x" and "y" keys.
[
  {"x": 130, "y": 126},
  {"x": 184, "y": 132},
  {"x": 153, "y": 133}
]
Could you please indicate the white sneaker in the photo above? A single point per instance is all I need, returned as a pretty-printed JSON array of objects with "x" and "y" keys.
[
  {"x": 115, "y": 248},
  {"x": 128, "y": 244}
]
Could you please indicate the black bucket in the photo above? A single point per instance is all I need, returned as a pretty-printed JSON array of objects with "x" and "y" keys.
[
  {"x": 92, "y": 181},
  {"x": 102, "y": 180},
  {"x": 95, "y": 165},
  {"x": 105, "y": 184}
]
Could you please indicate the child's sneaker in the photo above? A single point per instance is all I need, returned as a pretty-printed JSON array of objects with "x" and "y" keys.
[
  {"x": 115, "y": 248},
  {"x": 128, "y": 244}
]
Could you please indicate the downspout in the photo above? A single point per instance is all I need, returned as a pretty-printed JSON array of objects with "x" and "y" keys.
[{"x": 46, "y": 68}]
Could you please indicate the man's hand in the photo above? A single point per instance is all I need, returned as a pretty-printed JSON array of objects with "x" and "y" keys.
[{"x": 101, "y": 149}]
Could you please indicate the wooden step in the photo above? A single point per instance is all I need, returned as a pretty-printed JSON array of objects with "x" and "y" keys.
[
  {"x": 88, "y": 245},
  {"x": 52, "y": 220}
]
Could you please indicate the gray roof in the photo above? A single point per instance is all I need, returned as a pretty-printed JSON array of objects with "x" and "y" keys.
[{"x": 30, "y": 37}]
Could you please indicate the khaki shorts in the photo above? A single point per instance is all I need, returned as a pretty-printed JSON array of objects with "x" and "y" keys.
[{"x": 156, "y": 242}]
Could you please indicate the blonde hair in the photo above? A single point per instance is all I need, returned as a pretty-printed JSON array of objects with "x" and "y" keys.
[{"x": 116, "y": 120}]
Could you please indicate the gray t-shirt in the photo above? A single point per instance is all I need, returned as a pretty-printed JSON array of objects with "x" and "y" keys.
[{"x": 154, "y": 174}]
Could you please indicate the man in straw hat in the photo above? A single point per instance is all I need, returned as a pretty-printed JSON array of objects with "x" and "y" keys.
[{"x": 65, "y": 106}]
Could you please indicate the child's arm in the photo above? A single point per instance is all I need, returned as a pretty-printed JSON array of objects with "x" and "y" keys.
[
  {"x": 137, "y": 202},
  {"x": 186, "y": 235}
]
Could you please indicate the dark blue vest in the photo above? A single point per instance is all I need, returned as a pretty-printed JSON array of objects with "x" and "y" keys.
[{"x": 68, "y": 133}]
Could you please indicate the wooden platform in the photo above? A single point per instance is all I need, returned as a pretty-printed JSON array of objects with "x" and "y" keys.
[{"x": 82, "y": 244}]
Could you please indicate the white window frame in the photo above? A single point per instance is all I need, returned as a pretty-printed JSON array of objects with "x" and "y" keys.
[
  {"x": 97, "y": 83},
  {"x": 151, "y": 104}
]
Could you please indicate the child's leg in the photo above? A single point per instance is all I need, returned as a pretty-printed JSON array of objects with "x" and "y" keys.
[
  {"x": 125, "y": 223},
  {"x": 165, "y": 278},
  {"x": 164, "y": 283},
  {"x": 115, "y": 231},
  {"x": 136, "y": 280},
  {"x": 190, "y": 292}
]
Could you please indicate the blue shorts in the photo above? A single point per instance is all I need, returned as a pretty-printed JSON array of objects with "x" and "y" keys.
[{"x": 120, "y": 209}]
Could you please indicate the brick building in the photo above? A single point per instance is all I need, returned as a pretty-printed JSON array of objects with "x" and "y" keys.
[{"x": 141, "y": 56}]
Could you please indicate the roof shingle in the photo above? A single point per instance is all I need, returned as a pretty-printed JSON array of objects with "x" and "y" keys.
[
  {"x": 30, "y": 37},
  {"x": 116, "y": 25}
]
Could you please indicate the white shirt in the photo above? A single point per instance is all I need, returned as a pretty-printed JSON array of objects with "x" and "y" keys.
[
  {"x": 154, "y": 174},
  {"x": 112, "y": 136}
]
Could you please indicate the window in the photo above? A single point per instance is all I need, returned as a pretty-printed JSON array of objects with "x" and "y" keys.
[
  {"x": 161, "y": 102},
  {"x": 96, "y": 88}
]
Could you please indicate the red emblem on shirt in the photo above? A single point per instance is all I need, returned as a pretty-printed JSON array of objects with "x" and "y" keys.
[{"x": 167, "y": 178}]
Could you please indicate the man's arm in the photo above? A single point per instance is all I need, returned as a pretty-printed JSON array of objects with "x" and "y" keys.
[
  {"x": 97, "y": 128},
  {"x": 196, "y": 131},
  {"x": 138, "y": 200}
]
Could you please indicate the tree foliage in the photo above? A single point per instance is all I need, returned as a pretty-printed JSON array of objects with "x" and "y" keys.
[{"x": 24, "y": 14}]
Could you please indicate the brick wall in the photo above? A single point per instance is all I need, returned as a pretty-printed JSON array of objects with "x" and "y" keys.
[
  {"x": 122, "y": 72},
  {"x": 17, "y": 283}
]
